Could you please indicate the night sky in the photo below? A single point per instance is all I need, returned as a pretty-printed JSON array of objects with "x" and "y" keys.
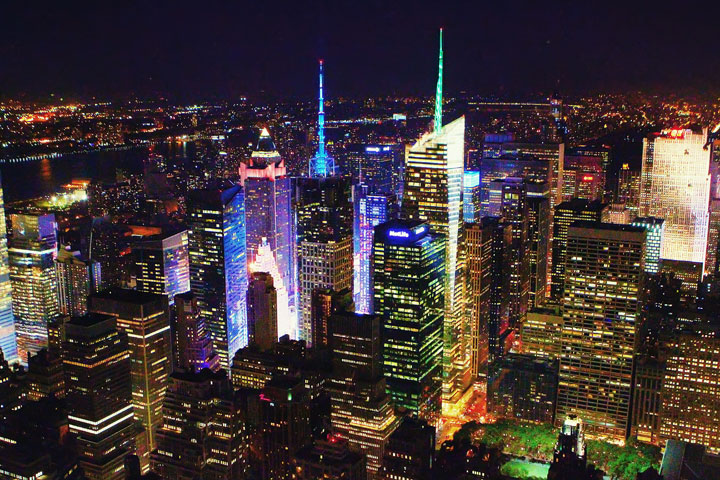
[{"x": 208, "y": 49}]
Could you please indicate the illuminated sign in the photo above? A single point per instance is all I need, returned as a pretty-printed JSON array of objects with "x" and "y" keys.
[
  {"x": 420, "y": 230},
  {"x": 372, "y": 149},
  {"x": 399, "y": 233},
  {"x": 588, "y": 178}
]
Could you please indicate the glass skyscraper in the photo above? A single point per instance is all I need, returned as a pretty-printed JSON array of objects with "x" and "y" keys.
[
  {"x": 655, "y": 228},
  {"x": 270, "y": 226},
  {"x": 433, "y": 194},
  {"x": 32, "y": 252},
  {"x": 218, "y": 265},
  {"x": 370, "y": 211},
  {"x": 163, "y": 265},
  {"x": 408, "y": 281},
  {"x": 8, "y": 342}
]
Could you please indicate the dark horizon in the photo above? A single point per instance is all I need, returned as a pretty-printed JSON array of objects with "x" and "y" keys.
[{"x": 178, "y": 50}]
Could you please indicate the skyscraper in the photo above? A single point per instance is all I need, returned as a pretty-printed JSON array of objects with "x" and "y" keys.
[
  {"x": 565, "y": 215},
  {"x": 488, "y": 253},
  {"x": 8, "y": 342},
  {"x": 262, "y": 311},
  {"x": 218, "y": 265},
  {"x": 325, "y": 249},
  {"x": 77, "y": 279},
  {"x": 675, "y": 186},
  {"x": 655, "y": 228},
  {"x": 32, "y": 252},
  {"x": 99, "y": 397},
  {"x": 539, "y": 229},
  {"x": 408, "y": 283},
  {"x": 163, "y": 265},
  {"x": 202, "y": 433},
  {"x": 270, "y": 235},
  {"x": 471, "y": 196},
  {"x": 508, "y": 200},
  {"x": 370, "y": 211},
  {"x": 193, "y": 345},
  {"x": 143, "y": 317},
  {"x": 691, "y": 388},
  {"x": 602, "y": 303},
  {"x": 433, "y": 193},
  {"x": 375, "y": 165},
  {"x": 361, "y": 409}
]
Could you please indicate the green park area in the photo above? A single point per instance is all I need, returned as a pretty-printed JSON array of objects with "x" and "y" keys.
[{"x": 537, "y": 442}]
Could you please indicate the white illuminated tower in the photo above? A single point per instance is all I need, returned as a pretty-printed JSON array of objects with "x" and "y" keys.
[
  {"x": 265, "y": 262},
  {"x": 433, "y": 194},
  {"x": 675, "y": 186}
]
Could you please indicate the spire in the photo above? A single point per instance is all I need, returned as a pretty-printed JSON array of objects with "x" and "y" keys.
[
  {"x": 321, "y": 165},
  {"x": 438, "y": 90},
  {"x": 321, "y": 117}
]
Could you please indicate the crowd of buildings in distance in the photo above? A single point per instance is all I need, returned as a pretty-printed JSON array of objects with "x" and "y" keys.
[{"x": 321, "y": 301}]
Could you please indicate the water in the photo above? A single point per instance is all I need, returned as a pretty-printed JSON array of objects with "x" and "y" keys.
[{"x": 21, "y": 181}]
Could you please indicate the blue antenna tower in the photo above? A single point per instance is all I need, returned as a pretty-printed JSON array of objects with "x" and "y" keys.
[{"x": 321, "y": 165}]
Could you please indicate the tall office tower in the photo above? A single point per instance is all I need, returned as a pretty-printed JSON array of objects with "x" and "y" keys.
[
  {"x": 284, "y": 425},
  {"x": 675, "y": 186},
  {"x": 496, "y": 236},
  {"x": 201, "y": 432},
  {"x": 143, "y": 317},
  {"x": 271, "y": 244},
  {"x": 163, "y": 265},
  {"x": 8, "y": 342},
  {"x": 32, "y": 252},
  {"x": 99, "y": 397},
  {"x": 565, "y": 215},
  {"x": 713, "y": 243},
  {"x": 374, "y": 165},
  {"x": 478, "y": 269},
  {"x": 628, "y": 188},
  {"x": 322, "y": 164},
  {"x": 370, "y": 211},
  {"x": 325, "y": 241},
  {"x": 324, "y": 303},
  {"x": 523, "y": 387},
  {"x": 330, "y": 459},
  {"x": 361, "y": 409},
  {"x": 218, "y": 265},
  {"x": 409, "y": 288},
  {"x": 570, "y": 455},
  {"x": 410, "y": 451},
  {"x": 45, "y": 376},
  {"x": 602, "y": 303},
  {"x": 262, "y": 311},
  {"x": 472, "y": 196},
  {"x": 510, "y": 203},
  {"x": 647, "y": 399},
  {"x": 434, "y": 171},
  {"x": 194, "y": 346},
  {"x": 691, "y": 389},
  {"x": 539, "y": 229},
  {"x": 77, "y": 279},
  {"x": 655, "y": 228},
  {"x": 541, "y": 333},
  {"x": 584, "y": 173}
]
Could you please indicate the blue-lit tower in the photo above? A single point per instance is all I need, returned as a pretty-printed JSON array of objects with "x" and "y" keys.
[
  {"x": 218, "y": 265},
  {"x": 321, "y": 165},
  {"x": 8, "y": 342},
  {"x": 371, "y": 209}
]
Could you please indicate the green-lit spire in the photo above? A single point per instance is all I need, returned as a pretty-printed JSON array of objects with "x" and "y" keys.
[{"x": 438, "y": 90}]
